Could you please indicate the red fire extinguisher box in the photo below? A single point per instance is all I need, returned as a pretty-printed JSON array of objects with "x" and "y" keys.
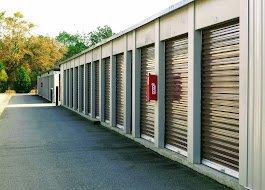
[{"x": 151, "y": 87}]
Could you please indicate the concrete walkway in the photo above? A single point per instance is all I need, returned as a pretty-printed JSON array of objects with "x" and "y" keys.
[{"x": 47, "y": 147}]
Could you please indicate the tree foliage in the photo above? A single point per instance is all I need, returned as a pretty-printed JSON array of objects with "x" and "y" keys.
[
  {"x": 100, "y": 34},
  {"x": 23, "y": 81},
  {"x": 3, "y": 78},
  {"x": 79, "y": 42},
  {"x": 20, "y": 49},
  {"x": 74, "y": 42}
]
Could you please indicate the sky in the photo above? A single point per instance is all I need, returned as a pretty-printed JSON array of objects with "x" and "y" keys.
[{"x": 83, "y": 16}]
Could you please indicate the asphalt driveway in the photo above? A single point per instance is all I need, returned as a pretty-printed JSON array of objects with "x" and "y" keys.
[{"x": 48, "y": 147}]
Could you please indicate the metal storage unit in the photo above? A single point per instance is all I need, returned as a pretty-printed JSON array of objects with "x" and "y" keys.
[
  {"x": 220, "y": 97},
  {"x": 147, "y": 113},
  {"x": 107, "y": 88},
  {"x": 120, "y": 90},
  {"x": 97, "y": 87},
  {"x": 176, "y": 94},
  {"x": 82, "y": 87},
  {"x": 76, "y": 87},
  {"x": 89, "y": 88}
]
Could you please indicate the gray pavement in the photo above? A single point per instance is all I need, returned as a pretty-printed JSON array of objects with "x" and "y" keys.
[{"x": 47, "y": 147}]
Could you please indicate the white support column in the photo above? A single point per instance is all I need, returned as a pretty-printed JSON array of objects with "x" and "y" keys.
[
  {"x": 194, "y": 89},
  {"x": 93, "y": 89},
  {"x": 86, "y": 89},
  {"x": 160, "y": 103},
  {"x": 127, "y": 90},
  {"x": 112, "y": 88},
  {"x": 102, "y": 87},
  {"x": 61, "y": 86},
  {"x": 136, "y": 86}
]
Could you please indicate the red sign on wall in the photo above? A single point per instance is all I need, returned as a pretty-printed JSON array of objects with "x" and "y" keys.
[{"x": 151, "y": 87}]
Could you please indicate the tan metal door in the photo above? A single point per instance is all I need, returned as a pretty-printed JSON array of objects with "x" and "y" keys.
[
  {"x": 64, "y": 87},
  {"x": 176, "y": 95},
  {"x": 89, "y": 87},
  {"x": 107, "y": 88},
  {"x": 67, "y": 88},
  {"x": 72, "y": 88},
  {"x": 147, "y": 108},
  {"x": 82, "y": 87},
  {"x": 120, "y": 90},
  {"x": 97, "y": 87},
  {"x": 76, "y": 87},
  {"x": 220, "y": 96}
]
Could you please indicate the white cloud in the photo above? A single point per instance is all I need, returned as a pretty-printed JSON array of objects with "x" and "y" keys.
[{"x": 53, "y": 16}]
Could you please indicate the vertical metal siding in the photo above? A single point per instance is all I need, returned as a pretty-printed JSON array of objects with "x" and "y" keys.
[
  {"x": 97, "y": 87},
  {"x": 107, "y": 88},
  {"x": 220, "y": 95},
  {"x": 176, "y": 93},
  {"x": 120, "y": 82},
  {"x": 147, "y": 108},
  {"x": 255, "y": 47}
]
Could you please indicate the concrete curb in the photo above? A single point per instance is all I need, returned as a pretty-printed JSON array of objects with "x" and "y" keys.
[{"x": 4, "y": 103}]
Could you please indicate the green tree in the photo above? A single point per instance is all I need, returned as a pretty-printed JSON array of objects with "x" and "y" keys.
[
  {"x": 23, "y": 81},
  {"x": 75, "y": 43},
  {"x": 20, "y": 48},
  {"x": 100, "y": 34}
]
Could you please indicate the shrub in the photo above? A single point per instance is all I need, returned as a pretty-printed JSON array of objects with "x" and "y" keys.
[{"x": 23, "y": 81}]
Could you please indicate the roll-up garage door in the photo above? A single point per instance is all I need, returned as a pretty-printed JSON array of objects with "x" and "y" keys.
[
  {"x": 147, "y": 108},
  {"x": 67, "y": 88},
  {"x": 64, "y": 87},
  {"x": 107, "y": 88},
  {"x": 82, "y": 87},
  {"x": 76, "y": 87},
  {"x": 89, "y": 87},
  {"x": 220, "y": 96},
  {"x": 97, "y": 87},
  {"x": 71, "y": 88},
  {"x": 176, "y": 94},
  {"x": 120, "y": 90}
]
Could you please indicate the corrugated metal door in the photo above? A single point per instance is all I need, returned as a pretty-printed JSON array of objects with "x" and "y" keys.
[
  {"x": 76, "y": 87},
  {"x": 220, "y": 96},
  {"x": 147, "y": 108},
  {"x": 67, "y": 88},
  {"x": 71, "y": 88},
  {"x": 120, "y": 90},
  {"x": 176, "y": 94},
  {"x": 64, "y": 87},
  {"x": 89, "y": 87},
  {"x": 82, "y": 87},
  {"x": 97, "y": 87},
  {"x": 107, "y": 88}
]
